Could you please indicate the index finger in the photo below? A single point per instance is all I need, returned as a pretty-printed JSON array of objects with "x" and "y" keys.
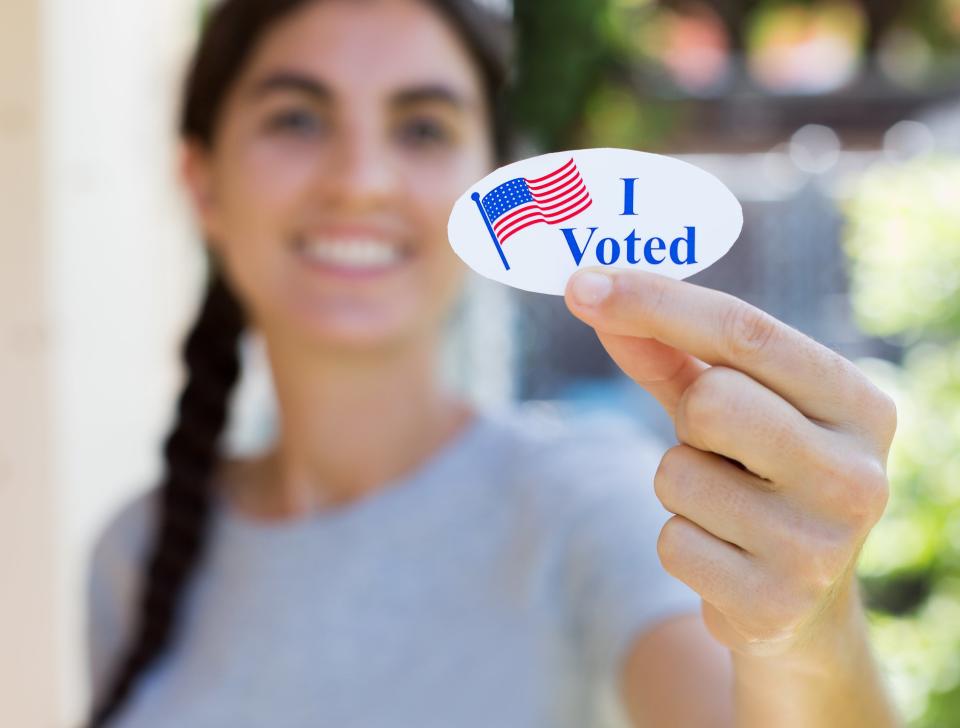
[{"x": 719, "y": 328}]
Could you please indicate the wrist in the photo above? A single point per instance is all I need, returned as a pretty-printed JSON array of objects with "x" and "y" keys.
[
  {"x": 834, "y": 643},
  {"x": 829, "y": 678}
]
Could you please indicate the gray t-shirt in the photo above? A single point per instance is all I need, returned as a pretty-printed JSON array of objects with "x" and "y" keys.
[{"x": 499, "y": 584}]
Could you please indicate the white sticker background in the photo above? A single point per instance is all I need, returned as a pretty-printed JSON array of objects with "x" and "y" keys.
[{"x": 669, "y": 196}]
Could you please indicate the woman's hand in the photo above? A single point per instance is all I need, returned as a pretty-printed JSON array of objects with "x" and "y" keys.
[{"x": 781, "y": 468}]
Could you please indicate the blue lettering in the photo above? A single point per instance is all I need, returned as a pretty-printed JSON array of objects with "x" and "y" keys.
[
  {"x": 628, "y": 185},
  {"x": 632, "y": 241},
  {"x": 690, "y": 240},
  {"x": 650, "y": 247},
  {"x": 615, "y": 251},
  {"x": 575, "y": 249},
  {"x": 608, "y": 249}
]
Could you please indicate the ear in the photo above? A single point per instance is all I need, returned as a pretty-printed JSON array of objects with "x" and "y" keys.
[{"x": 196, "y": 174}]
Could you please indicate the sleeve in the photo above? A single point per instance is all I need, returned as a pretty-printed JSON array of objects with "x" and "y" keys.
[
  {"x": 613, "y": 578},
  {"x": 112, "y": 580}
]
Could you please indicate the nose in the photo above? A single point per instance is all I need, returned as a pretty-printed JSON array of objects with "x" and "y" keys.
[{"x": 362, "y": 177}]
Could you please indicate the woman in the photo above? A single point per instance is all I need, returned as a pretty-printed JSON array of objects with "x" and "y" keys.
[{"x": 401, "y": 559}]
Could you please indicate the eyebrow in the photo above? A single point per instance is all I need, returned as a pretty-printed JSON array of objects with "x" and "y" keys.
[{"x": 292, "y": 81}]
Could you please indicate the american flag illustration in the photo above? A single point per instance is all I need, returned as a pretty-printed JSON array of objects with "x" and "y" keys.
[{"x": 520, "y": 202}]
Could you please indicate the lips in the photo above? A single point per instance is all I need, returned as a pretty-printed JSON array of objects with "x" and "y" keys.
[{"x": 353, "y": 254}]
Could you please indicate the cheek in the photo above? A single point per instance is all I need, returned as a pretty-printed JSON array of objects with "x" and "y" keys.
[
  {"x": 432, "y": 191},
  {"x": 269, "y": 179},
  {"x": 258, "y": 190},
  {"x": 433, "y": 200}
]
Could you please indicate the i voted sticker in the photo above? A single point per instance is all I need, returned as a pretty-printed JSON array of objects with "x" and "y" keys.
[{"x": 532, "y": 223}]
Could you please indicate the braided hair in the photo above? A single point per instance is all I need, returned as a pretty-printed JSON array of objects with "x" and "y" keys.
[{"x": 211, "y": 350}]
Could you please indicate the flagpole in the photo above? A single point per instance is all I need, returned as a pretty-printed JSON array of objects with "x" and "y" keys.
[{"x": 476, "y": 198}]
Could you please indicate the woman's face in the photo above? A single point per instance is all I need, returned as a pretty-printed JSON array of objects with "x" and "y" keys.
[{"x": 339, "y": 153}]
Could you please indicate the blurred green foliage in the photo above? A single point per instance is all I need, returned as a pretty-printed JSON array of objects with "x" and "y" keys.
[
  {"x": 915, "y": 243},
  {"x": 628, "y": 72},
  {"x": 575, "y": 84},
  {"x": 903, "y": 240},
  {"x": 563, "y": 54},
  {"x": 937, "y": 21},
  {"x": 578, "y": 87}
]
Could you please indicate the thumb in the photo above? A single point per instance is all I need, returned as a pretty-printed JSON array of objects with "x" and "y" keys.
[{"x": 664, "y": 371}]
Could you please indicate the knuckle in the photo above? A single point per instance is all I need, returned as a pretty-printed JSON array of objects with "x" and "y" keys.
[
  {"x": 813, "y": 552},
  {"x": 860, "y": 401},
  {"x": 746, "y": 330},
  {"x": 824, "y": 561},
  {"x": 864, "y": 492},
  {"x": 669, "y": 545},
  {"x": 874, "y": 492},
  {"x": 871, "y": 410},
  {"x": 668, "y": 475},
  {"x": 702, "y": 402},
  {"x": 885, "y": 412}
]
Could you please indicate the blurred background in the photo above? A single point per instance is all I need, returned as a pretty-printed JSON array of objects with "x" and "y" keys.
[{"x": 835, "y": 122}]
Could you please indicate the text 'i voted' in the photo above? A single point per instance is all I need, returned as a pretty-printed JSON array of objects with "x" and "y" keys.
[{"x": 532, "y": 223}]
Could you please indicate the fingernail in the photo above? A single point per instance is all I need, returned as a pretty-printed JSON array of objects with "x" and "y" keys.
[{"x": 589, "y": 288}]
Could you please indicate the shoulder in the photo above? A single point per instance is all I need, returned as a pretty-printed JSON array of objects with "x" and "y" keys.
[
  {"x": 130, "y": 520},
  {"x": 114, "y": 572},
  {"x": 563, "y": 466},
  {"x": 120, "y": 544},
  {"x": 593, "y": 473},
  {"x": 583, "y": 454},
  {"x": 540, "y": 426}
]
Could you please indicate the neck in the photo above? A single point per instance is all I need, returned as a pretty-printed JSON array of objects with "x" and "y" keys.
[{"x": 350, "y": 424}]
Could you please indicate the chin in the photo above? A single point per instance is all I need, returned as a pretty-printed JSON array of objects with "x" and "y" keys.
[
  {"x": 359, "y": 334},
  {"x": 370, "y": 321}
]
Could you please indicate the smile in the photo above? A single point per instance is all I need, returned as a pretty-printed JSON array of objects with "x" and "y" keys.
[{"x": 358, "y": 256}]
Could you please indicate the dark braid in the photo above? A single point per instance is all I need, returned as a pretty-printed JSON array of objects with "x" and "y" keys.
[
  {"x": 211, "y": 354},
  {"x": 211, "y": 351}
]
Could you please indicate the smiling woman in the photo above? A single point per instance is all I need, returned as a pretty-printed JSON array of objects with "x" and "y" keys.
[
  {"x": 397, "y": 558},
  {"x": 401, "y": 557},
  {"x": 334, "y": 171}
]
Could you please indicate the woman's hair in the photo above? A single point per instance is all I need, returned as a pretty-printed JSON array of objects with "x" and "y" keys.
[{"x": 211, "y": 351}]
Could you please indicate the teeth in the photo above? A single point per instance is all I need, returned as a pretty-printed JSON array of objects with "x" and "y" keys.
[{"x": 354, "y": 254}]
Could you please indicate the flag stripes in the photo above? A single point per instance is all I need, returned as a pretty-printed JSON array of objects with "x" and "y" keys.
[{"x": 519, "y": 203}]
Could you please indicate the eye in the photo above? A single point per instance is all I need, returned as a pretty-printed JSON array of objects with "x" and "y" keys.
[
  {"x": 299, "y": 122},
  {"x": 424, "y": 132}
]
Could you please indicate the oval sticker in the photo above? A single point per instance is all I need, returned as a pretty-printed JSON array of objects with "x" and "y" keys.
[{"x": 532, "y": 223}]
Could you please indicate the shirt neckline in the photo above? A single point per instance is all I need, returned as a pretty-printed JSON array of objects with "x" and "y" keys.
[{"x": 398, "y": 488}]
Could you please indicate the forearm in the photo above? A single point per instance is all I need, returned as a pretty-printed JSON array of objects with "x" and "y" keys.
[{"x": 833, "y": 682}]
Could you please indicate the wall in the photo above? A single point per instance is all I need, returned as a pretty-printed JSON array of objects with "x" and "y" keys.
[
  {"x": 99, "y": 269},
  {"x": 28, "y": 647}
]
